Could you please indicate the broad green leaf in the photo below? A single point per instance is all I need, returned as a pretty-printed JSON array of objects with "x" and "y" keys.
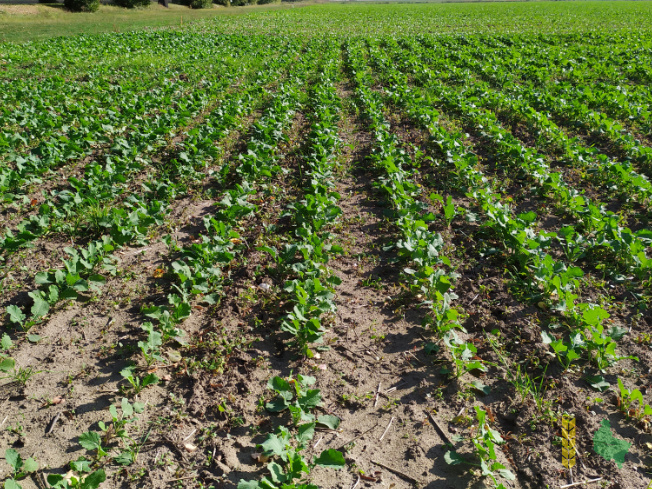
[
  {"x": 277, "y": 405},
  {"x": 479, "y": 386},
  {"x": 249, "y": 485},
  {"x": 128, "y": 372},
  {"x": 125, "y": 458},
  {"x": 127, "y": 409},
  {"x": 5, "y": 342},
  {"x": 506, "y": 474},
  {"x": 81, "y": 465},
  {"x": 452, "y": 458},
  {"x": 90, "y": 440},
  {"x": 30, "y": 465},
  {"x": 279, "y": 384},
  {"x": 42, "y": 278},
  {"x": 273, "y": 446},
  {"x": 330, "y": 421},
  {"x": 40, "y": 307},
  {"x": 149, "y": 379},
  {"x": 12, "y": 484},
  {"x": 93, "y": 481},
  {"x": 54, "y": 479},
  {"x": 33, "y": 338},
  {"x": 305, "y": 432},
  {"x": 598, "y": 383},
  {"x": 331, "y": 458},
  {"x": 15, "y": 316},
  {"x": 609, "y": 447},
  {"x": 7, "y": 364},
  {"x": 13, "y": 458},
  {"x": 310, "y": 400},
  {"x": 276, "y": 473}
]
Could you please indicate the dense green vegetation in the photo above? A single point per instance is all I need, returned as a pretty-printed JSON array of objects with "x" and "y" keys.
[
  {"x": 345, "y": 19},
  {"x": 195, "y": 215}
]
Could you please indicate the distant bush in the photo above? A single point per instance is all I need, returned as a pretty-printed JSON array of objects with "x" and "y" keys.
[
  {"x": 132, "y": 3},
  {"x": 226, "y": 3},
  {"x": 82, "y": 5},
  {"x": 199, "y": 3},
  {"x": 240, "y": 3}
]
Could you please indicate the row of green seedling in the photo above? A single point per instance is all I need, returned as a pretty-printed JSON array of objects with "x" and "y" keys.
[
  {"x": 429, "y": 273},
  {"x": 142, "y": 121},
  {"x": 91, "y": 196},
  {"x": 545, "y": 277},
  {"x": 309, "y": 287},
  {"x": 83, "y": 270},
  {"x": 598, "y": 229},
  {"x": 616, "y": 176},
  {"x": 199, "y": 269}
]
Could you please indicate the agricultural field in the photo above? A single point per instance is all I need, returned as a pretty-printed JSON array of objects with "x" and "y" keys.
[{"x": 330, "y": 246}]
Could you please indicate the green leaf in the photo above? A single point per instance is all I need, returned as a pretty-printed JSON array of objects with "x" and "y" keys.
[
  {"x": 13, "y": 458},
  {"x": 609, "y": 447},
  {"x": 40, "y": 307},
  {"x": 305, "y": 432},
  {"x": 547, "y": 338},
  {"x": 295, "y": 466},
  {"x": 430, "y": 348},
  {"x": 54, "y": 479},
  {"x": 572, "y": 355},
  {"x": 15, "y": 315},
  {"x": 81, "y": 465},
  {"x": 33, "y": 338},
  {"x": 125, "y": 458},
  {"x": 128, "y": 372},
  {"x": 306, "y": 380},
  {"x": 249, "y": 485},
  {"x": 506, "y": 474},
  {"x": 42, "y": 278},
  {"x": 7, "y": 364},
  {"x": 30, "y": 465},
  {"x": 93, "y": 481},
  {"x": 279, "y": 384},
  {"x": 5, "y": 342},
  {"x": 479, "y": 386},
  {"x": 273, "y": 446},
  {"x": 277, "y": 405},
  {"x": 127, "y": 409},
  {"x": 149, "y": 379},
  {"x": 452, "y": 458},
  {"x": 96, "y": 280},
  {"x": 329, "y": 421},
  {"x": 310, "y": 400},
  {"x": 331, "y": 458},
  {"x": 276, "y": 473},
  {"x": 12, "y": 484},
  {"x": 90, "y": 440},
  {"x": 598, "y": 383}
]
